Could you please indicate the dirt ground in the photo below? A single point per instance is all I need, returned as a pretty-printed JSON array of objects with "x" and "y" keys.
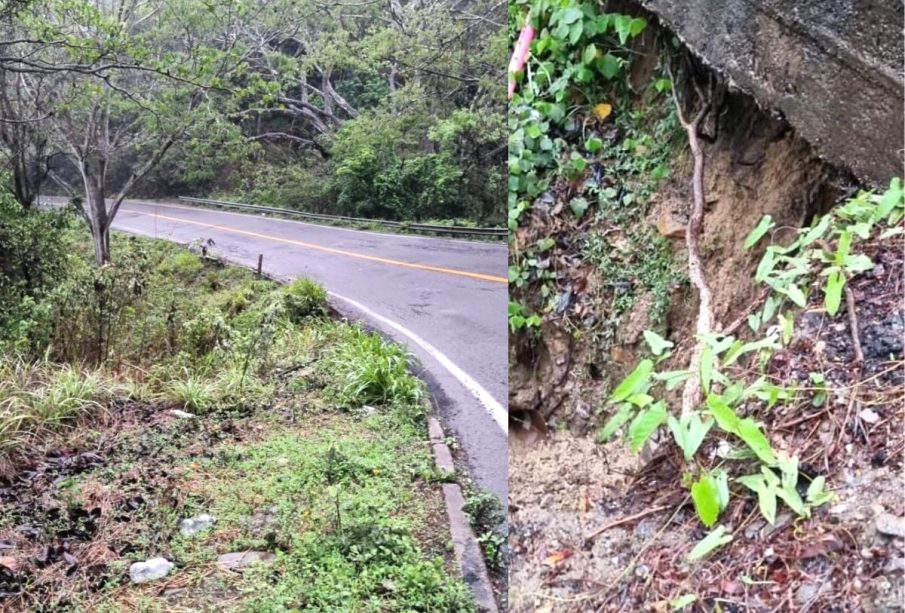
[{"x": 849, "y": 556}]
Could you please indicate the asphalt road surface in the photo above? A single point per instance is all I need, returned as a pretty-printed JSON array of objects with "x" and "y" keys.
[{"x": 446, "y": 300}]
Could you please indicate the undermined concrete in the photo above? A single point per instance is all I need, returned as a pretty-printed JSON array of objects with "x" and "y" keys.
[{"x": 832, "y": 68}]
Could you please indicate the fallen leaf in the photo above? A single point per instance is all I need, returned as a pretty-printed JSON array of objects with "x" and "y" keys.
[
  {"x": 603, "y": 110},
  {"x": 555, "y": 559}
]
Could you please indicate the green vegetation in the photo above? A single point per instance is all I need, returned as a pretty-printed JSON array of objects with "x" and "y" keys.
[
  {"x": 391, "y": 111},
  {"x": 280, "y": 430},
  {"x": 734, "y": 372},
  {"x": 581, "y": 154}
]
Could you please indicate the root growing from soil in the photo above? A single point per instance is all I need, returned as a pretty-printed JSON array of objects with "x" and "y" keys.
[{"x": 691, "y": 393}]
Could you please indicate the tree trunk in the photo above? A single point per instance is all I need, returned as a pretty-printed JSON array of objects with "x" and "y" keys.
[{"x": 95, "y": 211}]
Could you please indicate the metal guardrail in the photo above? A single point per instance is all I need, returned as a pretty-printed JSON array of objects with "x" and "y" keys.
[{"x": 437, "y": 229}]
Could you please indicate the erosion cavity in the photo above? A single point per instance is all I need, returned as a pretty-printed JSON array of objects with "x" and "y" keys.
[{"x": 756, "y": 164}]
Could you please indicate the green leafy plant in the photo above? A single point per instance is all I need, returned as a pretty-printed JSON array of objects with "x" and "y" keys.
[{"x": 787, "y": 270}]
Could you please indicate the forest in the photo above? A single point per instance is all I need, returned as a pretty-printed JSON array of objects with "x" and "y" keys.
[{"x": 387, "y": 110}]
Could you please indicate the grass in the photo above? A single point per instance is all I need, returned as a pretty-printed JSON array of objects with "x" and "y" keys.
[
  {"x": 342, "y": 504},
  {"x": 347, "y": 500}
]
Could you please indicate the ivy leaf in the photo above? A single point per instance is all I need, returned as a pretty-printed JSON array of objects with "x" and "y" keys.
[
  {"x": 579, "y": 206},
  {"x": 593, "y": 144},
  {"x": 637, "y": 26},
  {"x": 817, "y": 231},
  {"x": 706, "y": 499},
  {"x": 657, "y": 343},
  {"x": 795, "y": 295},
  {"x": 590, "y": 54},
  {"x": 545, "y": 244},
  {"x": 750, "y": 432},
  {"x": 857, "y": 263},
  {"x": 609, "y": 65},
  {"x": 623, "y": 25},
  {"x": 706, "y": 367},
  {"x": 766, "y": 501},
  {"x": 892, "y": 197},
  {"x": 677, "y": 604},
  {"x": 673, "y": 378},
  {"x": 645, "y": 424},
  {"x": 717, "y": 538},
  {"x": 833, "y": 292},
  {"x": 638, "y": 377},
  {"x": 725, "y": 417},
  {"x": 765, "y": 267},
  {"x": 766, "y": 222},
  {"x": 570, "y": 15}
]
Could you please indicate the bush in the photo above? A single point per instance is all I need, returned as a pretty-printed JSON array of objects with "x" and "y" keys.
[
  {"x": 183, "y": 264},
  {"x": 304, "y": 298},
  {"x": 33, "y": 259}
]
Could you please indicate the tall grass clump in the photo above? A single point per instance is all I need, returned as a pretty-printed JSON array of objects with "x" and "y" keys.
[
  {"x": 41, "y": 396},
  {"x": 304, "y": 298},
  {"x": 370, "y": 370}
]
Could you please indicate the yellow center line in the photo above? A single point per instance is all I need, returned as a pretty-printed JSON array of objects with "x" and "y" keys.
[{"x": 351, "y": 254}]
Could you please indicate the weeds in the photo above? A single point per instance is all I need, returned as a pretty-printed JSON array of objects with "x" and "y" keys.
[
  {"x": 372, "y": 371},
  {"x": 304, "y": 298},
  {"x": 727, "y": 363}
]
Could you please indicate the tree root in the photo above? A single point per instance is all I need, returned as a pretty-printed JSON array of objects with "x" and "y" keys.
[{"x": 691, "y": 394}]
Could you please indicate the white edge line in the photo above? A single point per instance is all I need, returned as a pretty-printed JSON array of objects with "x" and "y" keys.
[{"x": 494, "y": 408}]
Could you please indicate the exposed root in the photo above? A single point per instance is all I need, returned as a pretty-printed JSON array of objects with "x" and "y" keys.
[{"x": 691, "y": 394}]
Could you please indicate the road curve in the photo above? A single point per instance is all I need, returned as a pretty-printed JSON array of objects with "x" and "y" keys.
[{"x": 444, "y": 299}]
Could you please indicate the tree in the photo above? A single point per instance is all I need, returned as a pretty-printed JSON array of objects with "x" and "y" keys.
[{"x": 128, "y": 80}]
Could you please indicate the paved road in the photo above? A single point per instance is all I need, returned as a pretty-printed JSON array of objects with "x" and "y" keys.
[{"x": 444, "y": 299}]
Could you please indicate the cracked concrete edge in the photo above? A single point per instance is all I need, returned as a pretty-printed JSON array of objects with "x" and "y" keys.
[{"x": 467, "y": 550}]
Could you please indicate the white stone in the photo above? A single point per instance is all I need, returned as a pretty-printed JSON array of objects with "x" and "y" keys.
[
  {"x": 193, "y": 525},
  {"x": 155, "y": 568}
]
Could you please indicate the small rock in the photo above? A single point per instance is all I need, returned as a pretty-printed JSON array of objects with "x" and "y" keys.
[
  {"x": 869, "y": 416},
  {"x": 10, "y": 563},
  {"x": 367, "y": 410},
  {"x": 890, "y": 525},
  {"x": 243, "y": 559},
  {"x": 895, "y": 565},
  {"x": 181, "y": 414},
  {"x": 194, "y": 525},
  {"x": 282, "y": 461},
  {"x": 809, "y": 591},
  {"x": 669, "y": 226},
  {"x": 753, "y": 529},
  {"x": 155, "y": 568}
]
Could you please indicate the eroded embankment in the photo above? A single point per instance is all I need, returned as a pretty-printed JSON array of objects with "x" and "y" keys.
[{"x": 595, "y": 526}]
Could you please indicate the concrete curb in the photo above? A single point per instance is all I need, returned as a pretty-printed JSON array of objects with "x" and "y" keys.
[
  {"x": 465, "y": 545},
  {"x": 466, "y": 548}
]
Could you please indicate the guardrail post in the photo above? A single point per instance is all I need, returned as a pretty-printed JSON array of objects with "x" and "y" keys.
[{"x": 260, "y": 263}]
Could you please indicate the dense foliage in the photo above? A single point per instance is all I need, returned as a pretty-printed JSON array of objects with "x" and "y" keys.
[{"x": 391, "y": 110}]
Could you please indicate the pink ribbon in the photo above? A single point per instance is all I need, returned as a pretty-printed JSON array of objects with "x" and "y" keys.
[{"x": 519, "y": 55}]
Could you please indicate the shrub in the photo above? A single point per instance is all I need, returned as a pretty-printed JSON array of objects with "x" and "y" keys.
[
  {"x": 304, "y": 298},
  {"x": 183, "y": 264},
  {"x": 205, "y": 332}
]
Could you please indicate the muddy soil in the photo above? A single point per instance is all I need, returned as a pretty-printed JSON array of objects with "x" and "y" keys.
[
  {"x": 76, "y": 508},
  {"x": 849, "y": 556}
]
